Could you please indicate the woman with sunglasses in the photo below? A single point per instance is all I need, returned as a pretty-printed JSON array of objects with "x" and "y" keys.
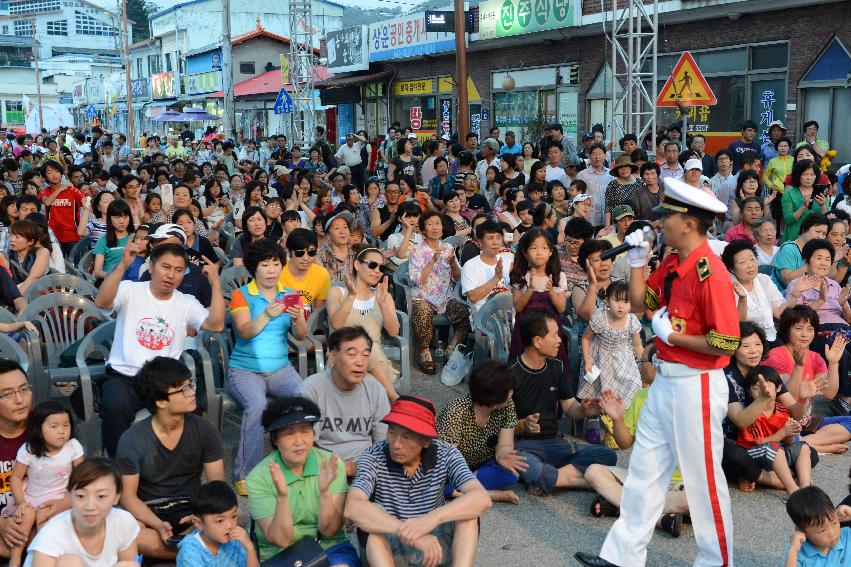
[
  {"x": 259, "y": 367},
  {"x": 365, "y": 302},
  {"x": 302, "y": 273}
]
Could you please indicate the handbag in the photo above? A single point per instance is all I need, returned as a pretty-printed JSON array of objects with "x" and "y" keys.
[
  {"x": 458, "y": 366},
  {"x": 306, "y": 552}
]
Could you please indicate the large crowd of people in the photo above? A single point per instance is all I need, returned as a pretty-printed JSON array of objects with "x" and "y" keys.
[{"x": 356, "y": 468}]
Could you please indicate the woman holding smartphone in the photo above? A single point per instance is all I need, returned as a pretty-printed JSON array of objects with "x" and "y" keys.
[
  {"x": 263, "y": 314},
  {"x": 365, "y": 302}
]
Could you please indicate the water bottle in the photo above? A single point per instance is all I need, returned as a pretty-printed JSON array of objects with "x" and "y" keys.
[
  {"x": 593, "y": 431},
  {"x": 438, "y": 352}
]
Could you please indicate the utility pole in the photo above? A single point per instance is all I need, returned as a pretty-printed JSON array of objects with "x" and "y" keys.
[
  {"x": 130, "y": 133},
  {"x": 227, "y": 71},
  {"x": 37, "y": 77},
  {"x": 178, "y": 87},
  {"x": 461, "y": 69}
]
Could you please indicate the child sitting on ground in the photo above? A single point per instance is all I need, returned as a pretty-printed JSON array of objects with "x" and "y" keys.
[
  {"x": 772, "y": 440},
  {"x": 818, "y": 538},
  {"x": 218, "y": 539}
]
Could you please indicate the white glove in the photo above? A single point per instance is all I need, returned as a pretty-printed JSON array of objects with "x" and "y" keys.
[
  {"x": 662, "y": 326},
  {"x": 639, "y": 254}
]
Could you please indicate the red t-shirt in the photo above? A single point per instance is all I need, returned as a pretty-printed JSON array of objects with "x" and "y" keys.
[
  {"x": 62, "y": 214},
  {"x": 8, "y": 451},
  {"x": 764, "y": 426},
  {"x": 702, "y": 303}
]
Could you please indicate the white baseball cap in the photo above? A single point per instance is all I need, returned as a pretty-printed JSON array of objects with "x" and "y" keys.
[
  {"x": 580, "y": 198},
  {"x": 694, "y": 163}
]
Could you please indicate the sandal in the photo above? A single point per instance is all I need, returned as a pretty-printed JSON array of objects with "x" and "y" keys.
[
  {"x": 426, "y": 363},
  {"x": 602, "y": 508}
]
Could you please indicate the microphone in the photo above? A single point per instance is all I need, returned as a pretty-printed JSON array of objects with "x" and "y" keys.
[{"x": 648, "y": 234}]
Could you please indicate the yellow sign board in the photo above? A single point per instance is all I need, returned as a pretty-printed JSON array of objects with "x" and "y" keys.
[
  {"x": 285, "y": 70},
  {"x": 417, "y": 87},
  {"x": 686, "y": 86},
  {"x": 446, "y": 84}
]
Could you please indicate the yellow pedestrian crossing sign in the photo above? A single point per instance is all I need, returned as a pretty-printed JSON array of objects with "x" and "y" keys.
[{"x": 686, "y": 86}]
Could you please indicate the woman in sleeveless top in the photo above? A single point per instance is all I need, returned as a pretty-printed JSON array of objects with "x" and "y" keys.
[{"x": 365, "y": 302}]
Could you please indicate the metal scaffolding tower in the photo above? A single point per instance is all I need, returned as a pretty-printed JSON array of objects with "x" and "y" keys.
[
  {"x": 301, "y": 71},
  {"x": 634, "y": 39}
]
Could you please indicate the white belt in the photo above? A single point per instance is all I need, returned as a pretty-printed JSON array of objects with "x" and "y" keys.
[{"x": 674, "y": 369}]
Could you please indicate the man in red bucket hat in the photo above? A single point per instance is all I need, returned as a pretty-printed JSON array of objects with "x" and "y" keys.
[{"x": 397, "y": 498}]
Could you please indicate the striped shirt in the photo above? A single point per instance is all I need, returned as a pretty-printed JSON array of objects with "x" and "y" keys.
[{"x": 385, "y": 483}]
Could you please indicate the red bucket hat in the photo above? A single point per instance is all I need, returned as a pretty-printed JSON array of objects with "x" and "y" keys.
[{"x": 415, "y": 414}]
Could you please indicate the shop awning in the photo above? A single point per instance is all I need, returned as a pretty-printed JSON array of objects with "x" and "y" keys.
[
  {"x": 353, "y": 81},
  {"x": 268, "y": 83}
]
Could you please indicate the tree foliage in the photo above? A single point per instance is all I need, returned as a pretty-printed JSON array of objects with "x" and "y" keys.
[{"x": 138, "y": 11}]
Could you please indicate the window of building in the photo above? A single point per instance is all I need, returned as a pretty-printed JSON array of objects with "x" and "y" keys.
[
  {"x": 23, "y": 28},
  {"x": 34, "y": 6},
  {"x": 153, "y": 64},
  {"x": 87, "y": 25},
  {"x": 246, "y": 67},
  {"x": 58, "y": 27},
  {"x": 139, "y": 68},
  {"x": 14, "y": 112},
  {"x": 5, "y": 30},
  {"x": 168, "y": 62}
]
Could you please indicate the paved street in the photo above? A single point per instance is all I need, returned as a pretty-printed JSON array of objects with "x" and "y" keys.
[{"x": 547, "y": 532}]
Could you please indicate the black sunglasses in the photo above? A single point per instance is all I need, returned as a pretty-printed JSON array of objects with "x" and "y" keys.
[
  {"x": 300, "y": 253},
  {"x": 371, "y": 265}
]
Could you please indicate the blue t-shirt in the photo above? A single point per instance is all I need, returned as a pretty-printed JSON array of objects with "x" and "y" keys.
[
  {"x": 266, "y": 351},
  {"x": 839, "y": 555},
  {"x": 193, "y": 552},
  {"x": 739, "y": 149}
]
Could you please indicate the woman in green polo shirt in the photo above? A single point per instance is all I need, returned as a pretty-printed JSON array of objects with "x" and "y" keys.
[{"x": 299, "y": 491}]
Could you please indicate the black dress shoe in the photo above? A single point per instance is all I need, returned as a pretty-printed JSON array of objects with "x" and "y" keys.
[{"x": 592, "y": 560}]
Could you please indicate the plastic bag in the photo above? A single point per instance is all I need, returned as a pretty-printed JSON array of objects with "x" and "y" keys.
[{"x": 457, "y": 367}]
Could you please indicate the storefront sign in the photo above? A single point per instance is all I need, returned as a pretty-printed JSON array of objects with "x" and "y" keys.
[
  {"x": 446, "y": 84},
  {"x": 446, "y": 116},
  {"x": 162, "y": 84},
  {"x": 416, "y": 117},
  {"x": 475, "y": 123},
  {"x": 486, "y": 113},
  {"x": 140, "y": 88},
  {"x": 348, "y": 49},
  {"x": 216, "y": 60},
  {"x": 406, "y": 37},
  {"x": 418, "y": 87},
  {"x": 505, "y": 18},
  {"x": 202, "y": 83},
  {"x": 568, "y": 114}
]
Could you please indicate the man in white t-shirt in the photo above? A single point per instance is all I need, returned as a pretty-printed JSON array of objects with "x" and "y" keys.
[
  {"x": 555, "y": 171},
  {"x": 153, "y": 318},
  {"x": 487, "y": 274}
]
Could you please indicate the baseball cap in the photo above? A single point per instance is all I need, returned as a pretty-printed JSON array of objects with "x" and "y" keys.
[
  {"x": 445, "y": 137},
  {"x": 580, "y": 198},
  {"x": 622, "y": 211},
  {"x": 168, "y": 230},
  {"x": 779, "y": 124},
  {"x": 414, "y": 414},
  {"x": 587, "y": 136},
  {"x": 298, "y": 410},
  {"x": 349, "y": 217},
  {"x": 693, "y": 163},
  {"x": 412, "y": 136},
  {"x": 492, "y": 144},
  {"x": 282, "y": 170}
]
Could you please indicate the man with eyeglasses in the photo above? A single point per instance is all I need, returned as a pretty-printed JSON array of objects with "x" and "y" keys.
[
  {"x": 161, "y": 458},
  {"x": 383, "y": 219},
  {"x": 15, "y": 406},
  {"x": 152, "y": 320},
  {"x": 302, "y": 273}
]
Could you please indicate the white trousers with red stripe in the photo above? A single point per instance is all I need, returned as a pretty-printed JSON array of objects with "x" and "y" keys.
[{"x": 680, "y": 424}]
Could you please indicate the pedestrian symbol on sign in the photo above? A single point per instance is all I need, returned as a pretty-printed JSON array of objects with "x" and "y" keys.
[{"x": 284, "y": 103}]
